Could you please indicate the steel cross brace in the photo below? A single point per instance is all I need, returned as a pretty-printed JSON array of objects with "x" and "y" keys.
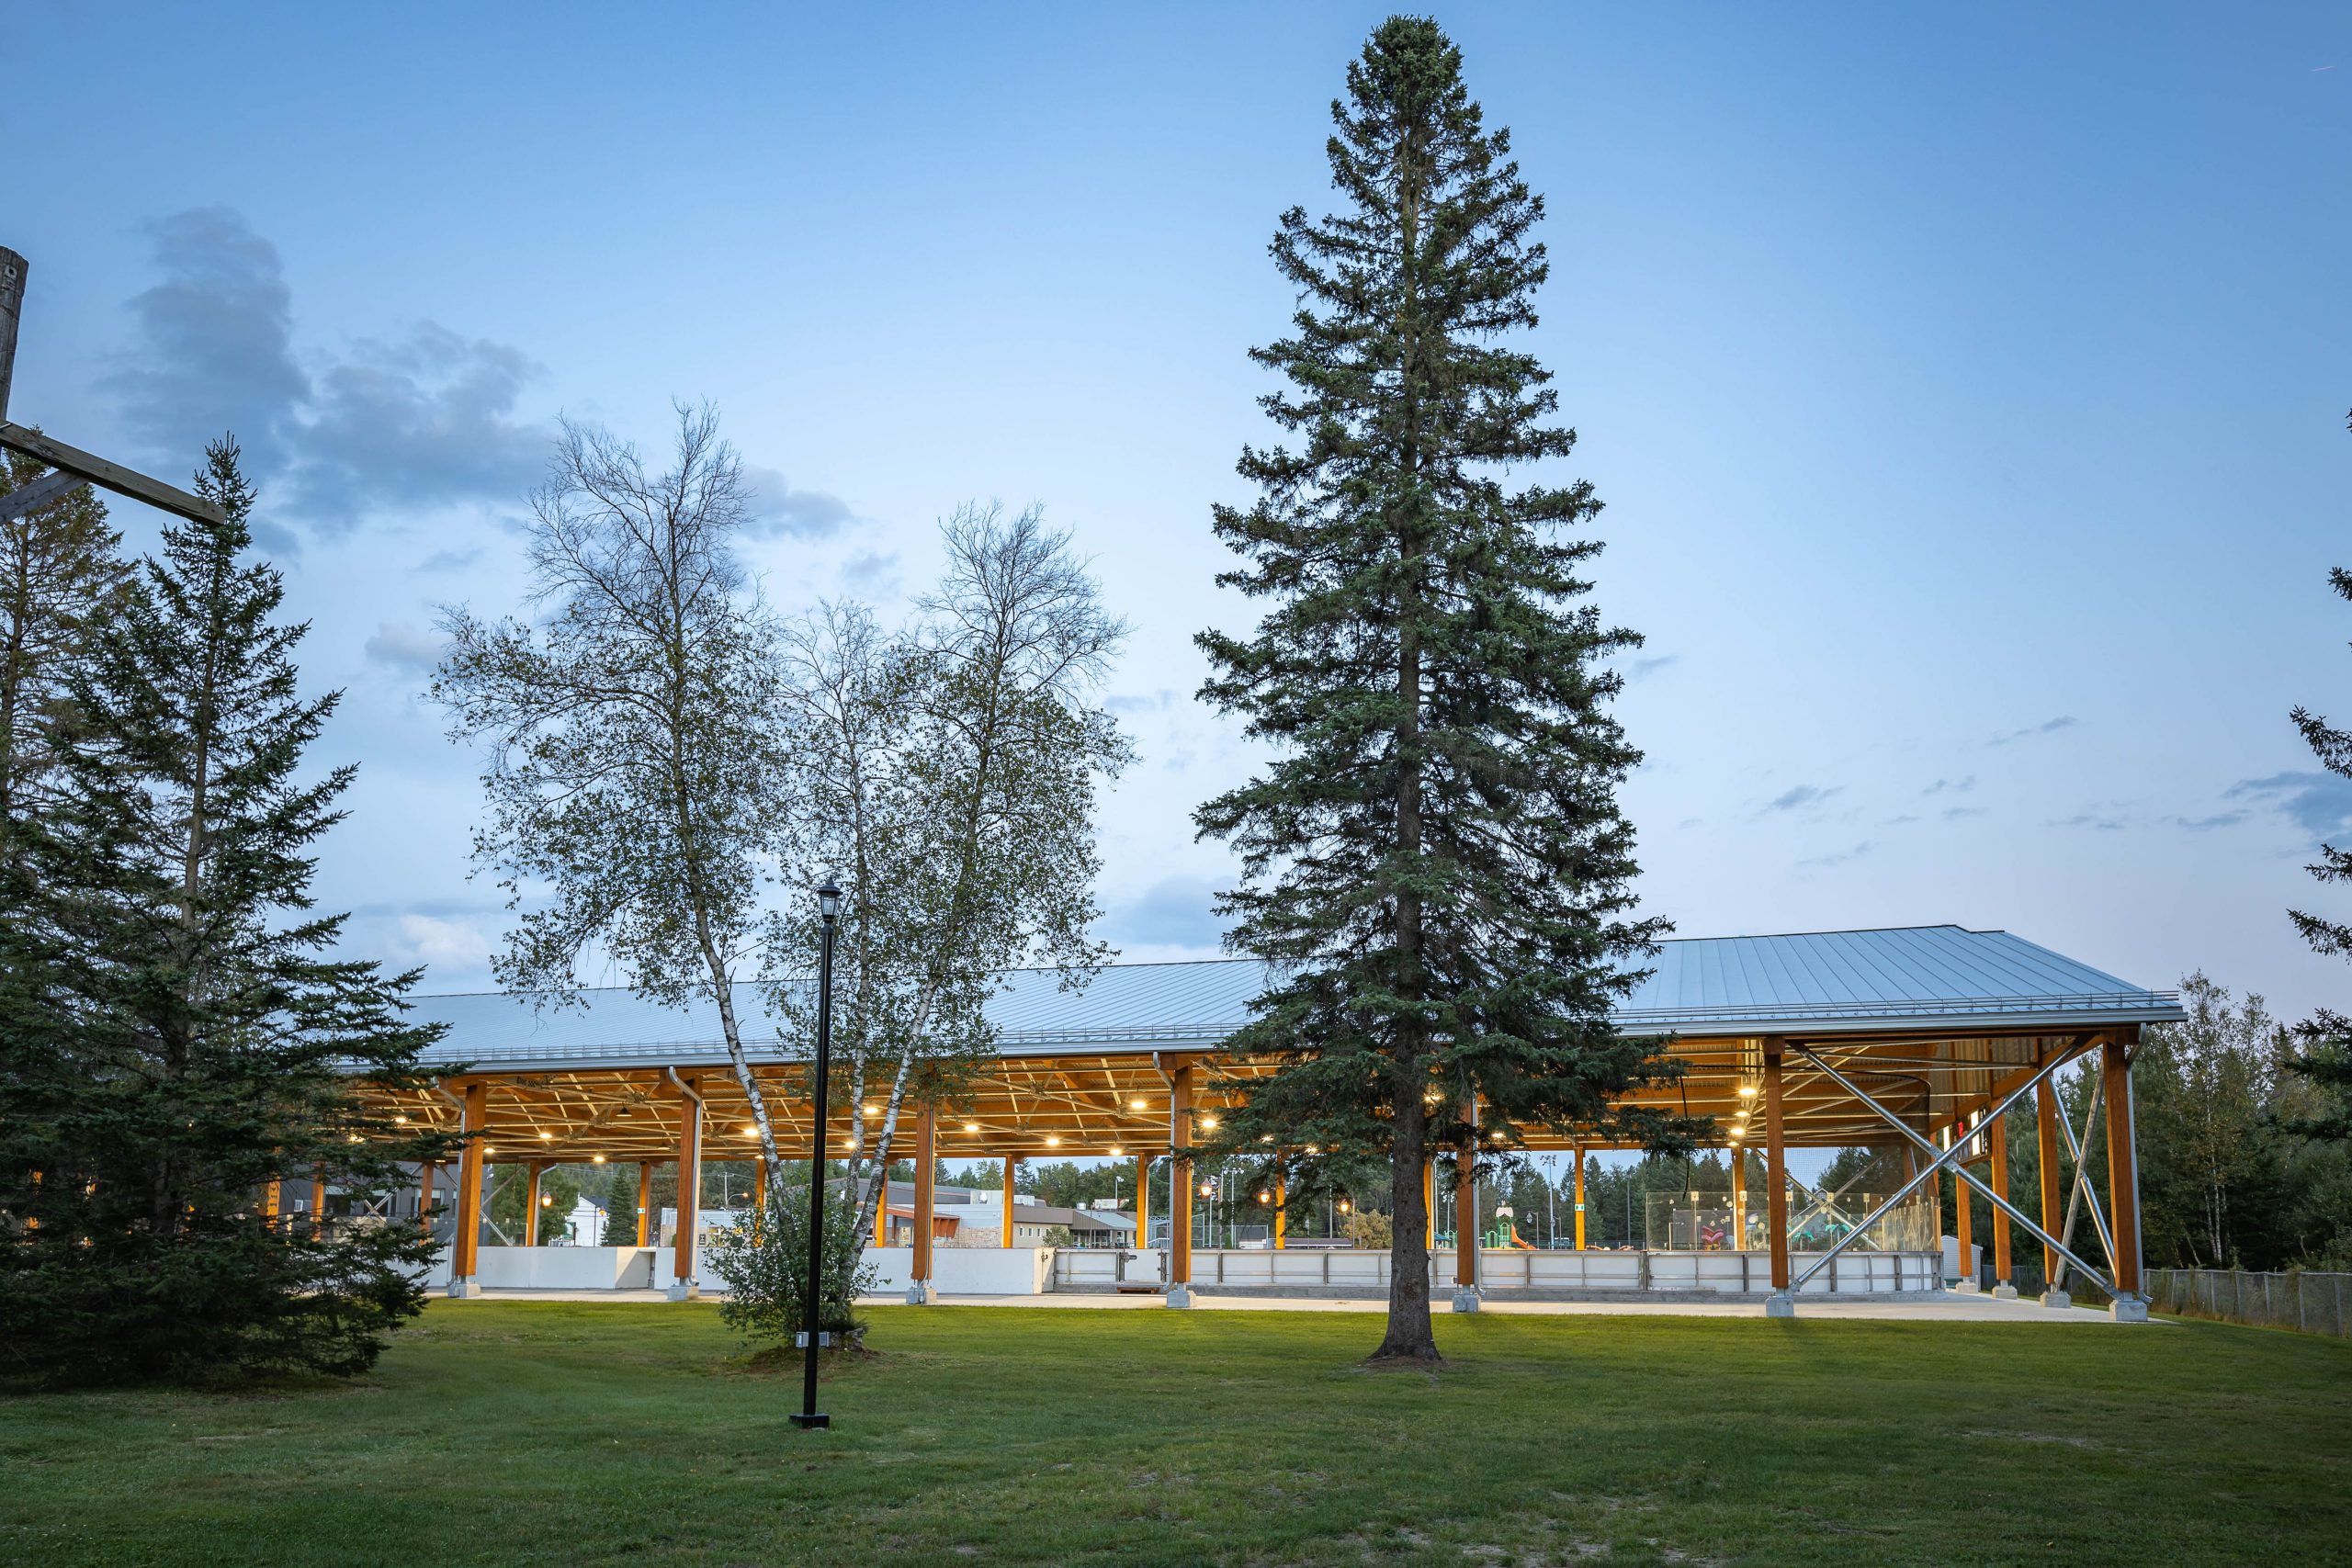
[
  {"x": 1942, "y": 1159},
  {"x": 2083, "y": 1193}
]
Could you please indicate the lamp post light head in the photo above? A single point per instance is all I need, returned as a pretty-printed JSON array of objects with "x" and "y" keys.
[{"x": 829, "y": 901}]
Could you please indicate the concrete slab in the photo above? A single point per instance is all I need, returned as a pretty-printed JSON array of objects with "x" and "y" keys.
[{"x": 1950, "y": 1308}]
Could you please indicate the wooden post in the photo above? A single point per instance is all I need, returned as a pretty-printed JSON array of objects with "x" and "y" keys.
[
  {"x": 644, "y": 1196},
  {"x": 1776, "y": 1165},
  {"x": 466, "y": 1245},
  {"x": 926, "y": 1158},
  {"x": 1580, "y": 1154},
  {"x": 1279, "y": 1229},
  {"x": 531, "y": 1205},
  {"x": 318, "y": 1201},
  {"x": 12, "y": 305},
  {"x": 1179, "y": 1167},
  {"x": 2002, "y": 1282},
  {"x": 1963, "y": 1224},
  {"x": 882, "y": 1210},
  {"x": 682, "y": 1253},
  {"x": 2045, "y": 1114},
  {"x": 2122, "y": 1165},
  {"x": 1738, "y": 1163},
  {"x": 427, "y": 1172},
  {"x": 1012, "y": 1175},
  {"x": 1143, "y": 1201},
  {"x": 1466, "y": 1216},
  {"x": 269, "y": 1201}
]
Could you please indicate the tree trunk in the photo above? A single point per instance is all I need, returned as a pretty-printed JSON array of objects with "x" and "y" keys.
[{"x": 1410, "y": 1336}]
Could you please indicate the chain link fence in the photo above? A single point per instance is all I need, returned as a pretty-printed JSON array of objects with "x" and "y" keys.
[{"x": 2314, "y": 1304}]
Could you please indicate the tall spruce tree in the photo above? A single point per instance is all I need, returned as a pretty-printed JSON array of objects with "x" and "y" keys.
[
  {"x": 1435, "y": 865},
  {"x": 2326, "y": 1035},
  {"x": 172, "y": 1044}
]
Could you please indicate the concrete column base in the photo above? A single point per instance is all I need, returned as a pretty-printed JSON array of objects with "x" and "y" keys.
[
  {"x": 921, "y": 1294},
  {"x": 1779, "y": 1304},
  {"x": 2005, "y": 1293},
  {"x": 1466, "y": 1299},
  {"x": 683, "y": 1291},
  {"x": 1967, "y": 1287},
  {"x": 460, "y": 1289},
  {"x": 2128, "y": 1309},
  {"x": 2058, "y": 1301},
  {"x": 1178, "y": 1295}
]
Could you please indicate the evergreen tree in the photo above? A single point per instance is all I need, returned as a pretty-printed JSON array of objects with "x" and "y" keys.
[
  {"x": 1435, "y": 865},
  {"x": 2327, "y": 1060},
  {"x": 173, "y": 1046}
]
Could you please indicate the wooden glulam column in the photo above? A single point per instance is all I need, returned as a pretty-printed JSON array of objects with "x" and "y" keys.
[
  {"x": 1776, "y": 1165},
  {"x": 465, "y": 1244},
  {"x": 1180, "y": 1186},
  {"x": 1963, "y": 1223},
  {"x": 2045, "y": 1148},
  {"x": 1579, "y": 1208},
  {"x": 2122, "y": 1163},
  {"x": 427, "y": 1174},
  {"x": 1281, "y": 1230},
  {"x": 681, "y": 1251},
  {"x": 1012, "y": 1177},
  {"x": 531, "y": 1205},
  {"x": 918, "y": 1291},
  {"x": 1465, "y": 1218},
  {"x": 1143, "y": 1201},
  {"x": 2004, "y": 1285},
  {"x": 644, "y": 1196}
]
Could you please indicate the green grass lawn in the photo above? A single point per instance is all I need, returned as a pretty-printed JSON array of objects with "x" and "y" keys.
[{"x": 557, "y": 1433}]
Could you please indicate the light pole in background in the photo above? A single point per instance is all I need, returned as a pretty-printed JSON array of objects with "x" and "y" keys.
[{"x": 829, "y": 909}]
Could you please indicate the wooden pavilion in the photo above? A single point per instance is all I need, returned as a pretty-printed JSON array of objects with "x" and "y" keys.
[{"x": 1924, "y": 1039}]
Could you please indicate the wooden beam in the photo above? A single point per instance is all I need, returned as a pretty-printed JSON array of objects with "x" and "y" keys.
[
  {"x": 1999, "y": 1138},
  {"x": 926, "y": 1162},
  {"x": 1180, "y": 1201},
  {"x": 464, "y": 1250},
  {"x": 644, "y": 1197},
  {"x": 1963, "y": 1224},
  {"x": 107, "y": 476},
  {"x": 1011, "y": 1172},
  {"x": 2045, "y": 1116},
  {"x": 682, "y": 1253},
  {"x": 2122, "y": 1164}
]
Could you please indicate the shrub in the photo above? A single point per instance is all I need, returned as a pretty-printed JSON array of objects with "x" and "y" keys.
[{"x": 764, "y": 1261}]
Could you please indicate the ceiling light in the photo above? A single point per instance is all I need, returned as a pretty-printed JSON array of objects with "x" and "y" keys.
[
  {"x": 595, "y": 1159},
  {"x": 1747, "y": 1091},
  {"x": 400, "y": 1121},
  {"x": 1136, "y": 1104},
  {"x": 971, "y": 1126},
  {"x": 1113, "y": 1153},
  {"x": 547, "y": 1137},
  {"x": 873, "y": 1111},
  {"x": 1053, "y": 1140},
  {"x": 751, "y": 1132},
  {"x": 1209, "y": 1122}
]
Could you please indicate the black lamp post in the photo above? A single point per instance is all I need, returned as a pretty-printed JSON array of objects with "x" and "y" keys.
[{"x": 829, "y": 909}]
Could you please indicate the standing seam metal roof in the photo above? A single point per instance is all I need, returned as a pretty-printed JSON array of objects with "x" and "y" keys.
[{"x": 1921, "y": 977}]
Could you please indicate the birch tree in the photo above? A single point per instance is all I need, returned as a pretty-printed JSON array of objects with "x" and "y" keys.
[
  {"x": 635, "y": 732},
  {"x": 949, "y": 774}
]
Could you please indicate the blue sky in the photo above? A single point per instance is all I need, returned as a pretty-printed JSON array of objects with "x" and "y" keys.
[{"x": 1968, "y": 389}]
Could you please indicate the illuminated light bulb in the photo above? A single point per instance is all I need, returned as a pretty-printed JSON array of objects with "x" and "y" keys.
[
  {"x": 547, "y": 1137},
  {"x": 751, "y": 1132},
  {"x": 400, "y": 1121},
  {"x": 873, "y": 1111},
  {"x": 1265, "y": 1197},
  {"x": 1207, "y": 1188},
  {"x": 1113, "y": 1153},
  {"x": 1747, "y": 1091},
  {"x": 595, "y": 1159},
  {"x": 1313, "y": 1150},
  {"x": 547, "y": 1199},
  {"x": 1209, "y": 1122},
  {"x": 1266, "y": 1138},
  {"x": 971, "y": 1126},
  {"x": 1053, "y": 1140},
  {"x": 1135, "y": 1104}
]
